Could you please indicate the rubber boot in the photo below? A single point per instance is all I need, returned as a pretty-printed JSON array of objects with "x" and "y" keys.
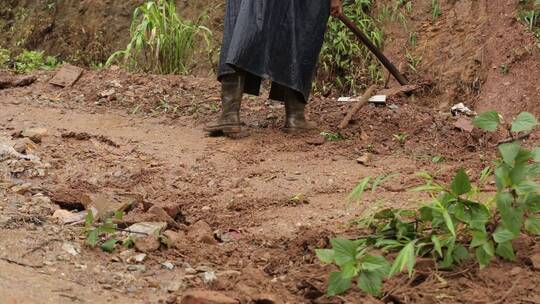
[
  {"x": 232, "y": 89},
  {"x": 295, "y": 120}
]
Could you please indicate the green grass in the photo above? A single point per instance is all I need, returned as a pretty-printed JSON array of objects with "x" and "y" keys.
[
  {"x": 161, "y": 41},
  {"x": 27, "y": 61}
]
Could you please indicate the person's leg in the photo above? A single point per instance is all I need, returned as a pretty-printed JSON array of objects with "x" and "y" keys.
[
  {"x": 232, "y": 90},
  {"x": 295, "y": 106}
]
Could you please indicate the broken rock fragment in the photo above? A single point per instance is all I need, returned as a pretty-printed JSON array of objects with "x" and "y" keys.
[
  {"x": 206, "y": 297},
  {"x": 143, "y": 229},
  {"x": 202, "y": 233},
  {"x": 34, "y": 134},
  {"x": 110, "y": 203}
]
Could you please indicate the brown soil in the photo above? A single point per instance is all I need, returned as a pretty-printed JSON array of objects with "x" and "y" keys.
[{"x": 115, "y": 131}]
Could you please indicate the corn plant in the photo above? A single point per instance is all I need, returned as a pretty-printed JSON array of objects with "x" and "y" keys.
[
  {"x": 161, "y": 41},
  {"x": 435, "y": 9},
  {"x": 455, "y": 226},
  {"x": 342, "y": 51}
]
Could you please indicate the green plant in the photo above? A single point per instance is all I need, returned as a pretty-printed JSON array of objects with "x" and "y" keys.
[
  {"x": 435, "y": 9},
  {"x": 342, "y": 50},
  {"x": 456, "y": 224},
  {"x": 413, "y": 61},
  {"x": 505, "y": 69},
  {"x": 28, "y": 61},
  {"x": 5, "y": 56},
  {"x": 332, "y": 136},
  {"x": 161, "y": 41},
  {"x": 401, "y": 138},
  {"x": 104, "y": 232}
]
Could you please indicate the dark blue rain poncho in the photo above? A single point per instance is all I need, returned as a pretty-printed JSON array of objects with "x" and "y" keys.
[{"x": 278, "y": 40}]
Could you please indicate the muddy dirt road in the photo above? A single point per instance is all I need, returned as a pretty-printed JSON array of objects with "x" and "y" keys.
[{"x": 237, "y": 229}]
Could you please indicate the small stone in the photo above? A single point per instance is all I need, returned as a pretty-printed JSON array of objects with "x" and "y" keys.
[
  {"x": 206, "y": 208},
  {"x": 209, "y": 277},
  {"x": 162, "y": 216},
  {"x": 65, "y": 217},
  {"x": 147, "y": 244},
  {"x": 140, "y": 268},
  {"x": 34, "y": 134},
  {"x": 71, "y": 249},
  {"x": 22, "y": 188},
  {"x": 139, "y": 258},
  {"x": 190, "y": 270},
  {"x": 515, "y": 271},
  {"x": 464, "y": 124},
  {"x": 23, "y": 145},
  {"x": 365, "y": 159},
  {"x": 206, "y": 297},
  {"x": 109, "y": 203},
  {"x": 40, "y": 199},
  {"x": 176, "y": 239},
  {"x": 167, "y": 265},
  {"x": 202, "y": 233},
  {"x": 172, "y": 210},
  {"x": 143, "y": 229},
  {"x": 535, "y": 260},
  {"x": 107, "y": 93},
  {"x": 229, "y": 273},
  {"x": 316, "y": 141}
]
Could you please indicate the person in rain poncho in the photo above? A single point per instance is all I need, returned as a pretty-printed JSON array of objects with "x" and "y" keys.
[{"x": 279, "y": 40}]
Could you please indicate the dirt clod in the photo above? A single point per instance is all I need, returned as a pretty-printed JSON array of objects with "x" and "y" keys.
[
  {"x": 34, "y": 134},
  {"x": 206, "y": 297},
  {"x": 202, "y": 233},
  {"x": 147, "y": 244}
]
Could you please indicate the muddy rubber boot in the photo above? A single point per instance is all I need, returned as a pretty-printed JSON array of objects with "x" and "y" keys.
[
  {"x": 295, "y": 121},
  {"x": 232, "y": 89}
]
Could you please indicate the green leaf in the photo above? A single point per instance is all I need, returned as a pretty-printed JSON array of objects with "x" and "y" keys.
[
  {"x": 109, "y": 245},
  {"x": 370, "y": 282},
  {"x": 405, "y": 259},
  {"x": 479, "y": 238},
  {"x": 344, "y": 251},
  {"x": 93, "y": 237},
  {"x": 536, "y": 154},
  {"x": 503, "y": 235},
  {"x": 480, "y": 215},
  {"x": 325, "y": 255},
  {"x": 505, "y": 250},
  {"x": 437, "y": 245},
  {"x": 449, "y": 222},
  {"x": 525, "y": 121},
  {"x": 375, "y": 264},
  {"x": 337, "y": 284},
  {"x": 532, "y": 202},
  {"x": 532, "y": 225},
  {"x": 509, "y": 152},
  {"x": 526, "y": 187},
  {"x": 488, "y": 121},
  {"x": 502, "y": 177},
  {"x": 460, "y": 254},
  {"x": 461, "y": 183},
  {"x": 119, "y": 215},
  {"x": 89, "y": 218},
  {"x": 349, "y": 270},
  {"x": 359, "y": 189},
  {"x": 426, "y": 214},
  {"x": 484, "y": 254}
]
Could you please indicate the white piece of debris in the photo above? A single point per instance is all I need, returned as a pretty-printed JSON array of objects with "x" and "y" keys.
[
  {"x": 209, "y": 277},
  {"x": 460, "y": 108},
  {"x": 377, "y": 99}
]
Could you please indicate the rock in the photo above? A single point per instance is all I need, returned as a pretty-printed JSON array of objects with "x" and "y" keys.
[
  {"x": 316, "y": 141},
  {"x": 464, "y": 124},
  {"x": 209, "y": 277},
  {"x": 40, "y": 199},
  {"x": 139, "y": 258},
  {"x": 66, "y": 76},
  {"x": 110, "y": 203},
  {"x": 202, "y": 233},
  {"x": 22, "y": 188},
  {"x": 190, "y": 271},
  {"x": 143, "y": 229},
  {"x": 167, "y": 265},
  {"x": 206, "y": 297},
  {"x": 34, "y": 134},
  {"x": 206, "y": 208},
  {"x": 140, "y": 268},
  {"x": 147, "y": 244},
  {"x": 107, "y": 93},
  {"x": 172, "y": 210},
  {"x": 535, "y": 260},
  {"x": 365, "y": 159},
  {"x": 162, "y": 216},
  {"x": 172, "y": 299},
  {"x": 65, "y": 217},
  {"x": 71, "y": 249},
  {"x": 175, "y": 285},
  {"x": 177, "y": 239},
  {"x": 23, "y": 145}
]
